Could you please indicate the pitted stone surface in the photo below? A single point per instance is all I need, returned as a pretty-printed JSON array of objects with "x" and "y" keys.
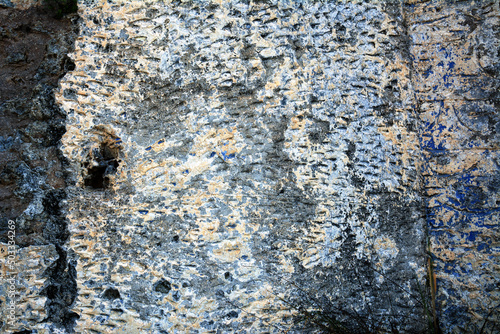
[
  {"x": 262, "y": 154},
  {"x": 30, "y": 281},
  {"x": 257, "y": 167},
  {"x": 454, "y": 46}
]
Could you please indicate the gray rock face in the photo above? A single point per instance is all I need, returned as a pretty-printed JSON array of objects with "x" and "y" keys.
[
  {"x": 273, "y": 166},
  {"x": 246, "y": 167}
]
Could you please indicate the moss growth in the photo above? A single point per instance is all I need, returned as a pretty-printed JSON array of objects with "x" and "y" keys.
[{"x": 59, "y": 8}]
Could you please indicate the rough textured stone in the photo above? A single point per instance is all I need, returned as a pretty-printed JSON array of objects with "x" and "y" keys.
[
  {"x": 456, "y": 67},
  {"x": 32, "y": 262},
  {"x": 236, "y": 162},
  {"x": 33, "y": 49},
  {"x": 263, "y": 166}
]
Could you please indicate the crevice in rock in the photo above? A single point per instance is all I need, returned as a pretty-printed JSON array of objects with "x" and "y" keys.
[
  {"x": 102, "y": 164},
  {"x": 111, "y": 294},
  {"x": 61, "y": 291}
]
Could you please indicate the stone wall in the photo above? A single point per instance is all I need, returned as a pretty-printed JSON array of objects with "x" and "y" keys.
[
  {"x": 276, "y": 166},
  {"x": 456, "y": 66},
  {"x": 33, "y": 57},
  {"x": 234, "y": 162}
]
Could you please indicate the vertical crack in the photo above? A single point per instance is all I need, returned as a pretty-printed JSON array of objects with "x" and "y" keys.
[{"x": 61, "y": 291}]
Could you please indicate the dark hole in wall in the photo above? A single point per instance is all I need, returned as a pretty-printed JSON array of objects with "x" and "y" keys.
[
  {"x": 69, "y": 320},
  {"x": 51, "y": 292},
  {"x": 163, "y": 286},
  {"x": 104, "y": 162},
  {"x": 111, "y": 294},
  {"x": 232, "y": 314},
  {"x": 96, "y": 177}
]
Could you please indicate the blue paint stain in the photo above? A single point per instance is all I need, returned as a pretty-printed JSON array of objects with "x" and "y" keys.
[
  {"x": 484, "y": 248},
  {"x": 431, "y": 146},
  {"x": 441, "y": 64},
  {"x": 431, "y": 218},
  {"x": 466, "y": 270},
  {"x": 143, "y": 212},
  {"x": 161, "y": 141},
  {"x": 226, "y": 156},
  {"x": 468, "y": 177},
  {"x": 440, "y": 234},
  {"x": 174, "y": 184},
  {"x": 447, "y": 54},
  {"x": 449, "y": 269},
  {"x": 472, "y": 236},
  {"x": 212, "y": 154},
  {"x": 451, "y": 65},
  {"x": 460, "y": 218},
  {"x": 446, "y": 83},
  {"x": 428, "y": 72},
  {"x": 185, "y": 172},
  {"x": 148, "y": 148}
]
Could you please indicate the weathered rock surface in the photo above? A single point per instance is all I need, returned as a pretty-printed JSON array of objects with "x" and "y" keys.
[
  {"x": 456, "y": 80},
  {"x": 30, "y": 284},
  {"x": 235, "y": 162},
  {"x": 269, "y": 166},
  {"x": 33, "y": 57}
]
